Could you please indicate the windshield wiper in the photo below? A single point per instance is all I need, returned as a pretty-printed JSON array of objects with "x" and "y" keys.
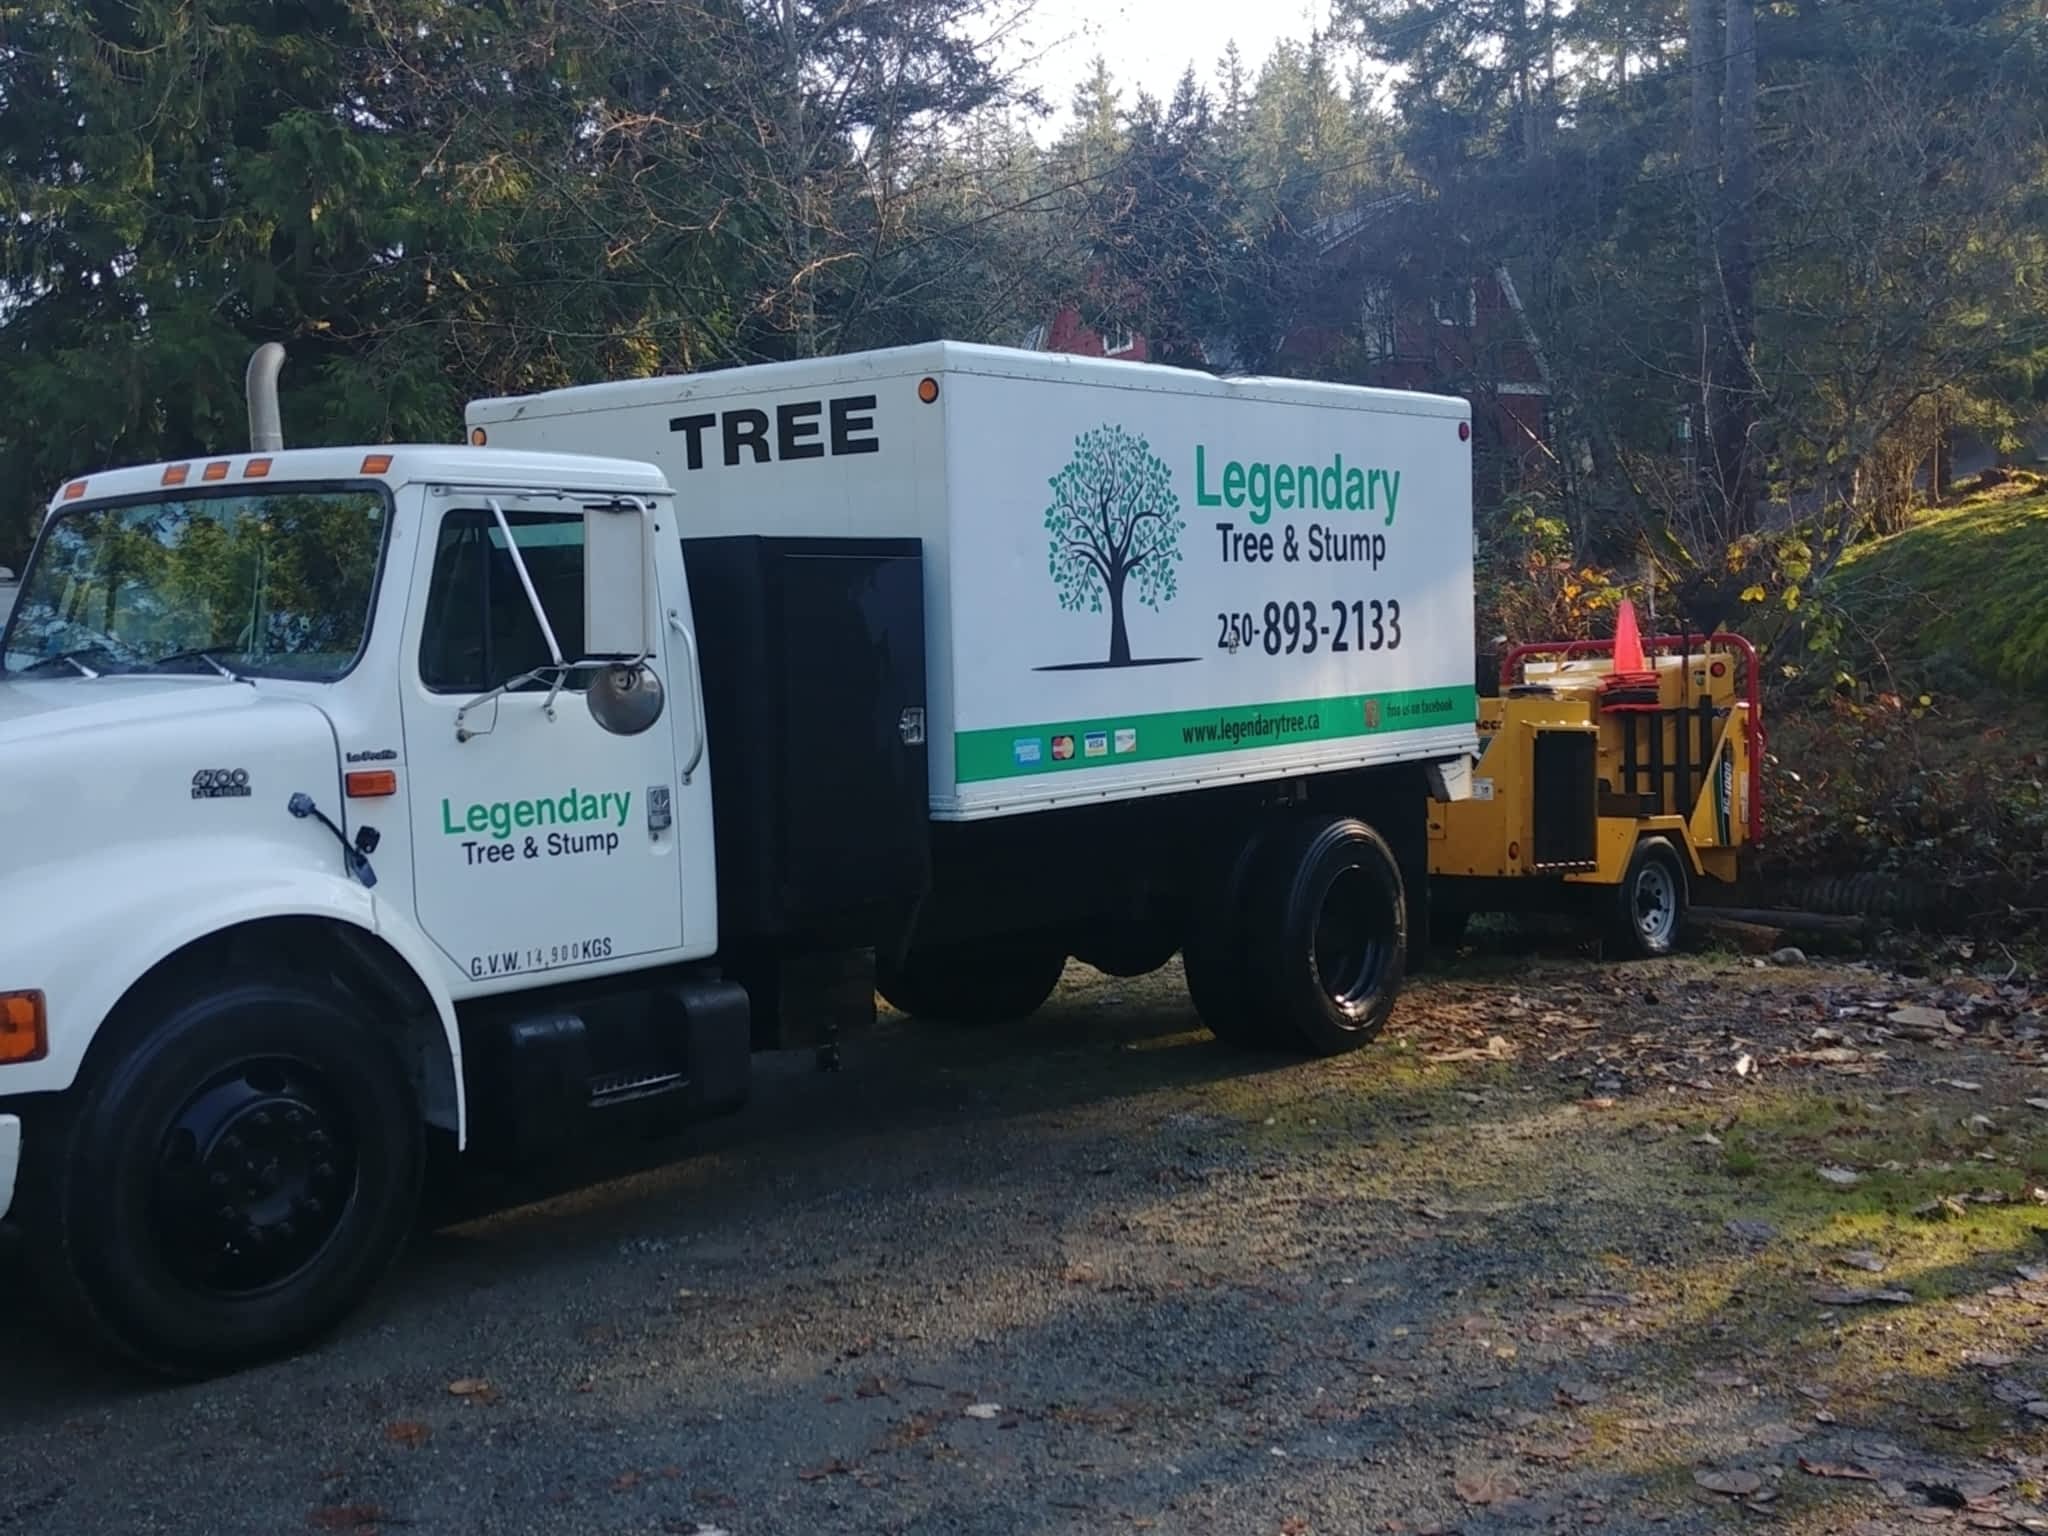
[
  {"x": 65, "y": 656},
  {"x": 203, "y": 653}
]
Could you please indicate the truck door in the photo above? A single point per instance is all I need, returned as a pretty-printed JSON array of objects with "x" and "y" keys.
[{"x": 543, "y": 845}]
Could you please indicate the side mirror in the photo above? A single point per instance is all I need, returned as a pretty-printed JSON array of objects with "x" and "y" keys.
[
  {"x": 618, "y": 550},
  {"x": 626, "y": 697}
]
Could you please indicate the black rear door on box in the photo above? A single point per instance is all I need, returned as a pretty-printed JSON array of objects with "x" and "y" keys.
[
  {"x": 854, "y": 778},
  {"x": 813, "y": 658}
]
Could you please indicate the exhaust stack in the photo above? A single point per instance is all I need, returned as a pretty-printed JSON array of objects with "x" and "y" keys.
[{"x": 266, "y": 426}]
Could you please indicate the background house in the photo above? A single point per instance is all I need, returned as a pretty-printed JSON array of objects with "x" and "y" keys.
[{"x": 1383, "y": 297}]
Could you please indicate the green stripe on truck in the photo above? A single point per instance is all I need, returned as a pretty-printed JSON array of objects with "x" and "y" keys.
[{"x": 1019, "y": 751}]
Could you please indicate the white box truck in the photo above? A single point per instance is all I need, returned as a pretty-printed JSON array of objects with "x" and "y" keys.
[{"x": 494, "y": 793}]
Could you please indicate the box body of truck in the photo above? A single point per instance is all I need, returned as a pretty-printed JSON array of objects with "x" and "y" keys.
[{"x": 1136, "y": 580}]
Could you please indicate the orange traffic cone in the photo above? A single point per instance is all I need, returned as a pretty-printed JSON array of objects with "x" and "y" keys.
[{"x": 1628, "y": 643}]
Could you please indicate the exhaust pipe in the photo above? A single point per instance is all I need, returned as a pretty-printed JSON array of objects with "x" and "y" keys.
[{"x": 266, "y": 426}]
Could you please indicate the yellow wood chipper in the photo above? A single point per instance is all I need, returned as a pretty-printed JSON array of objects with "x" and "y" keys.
[{"x": 1612, "y": 774}]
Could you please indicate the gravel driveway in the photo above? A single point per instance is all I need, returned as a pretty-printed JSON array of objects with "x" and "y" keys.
[{"x": 1555, "y": 1253}]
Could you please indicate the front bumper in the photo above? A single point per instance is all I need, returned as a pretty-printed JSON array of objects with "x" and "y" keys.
[{"x": 10, "y": 1159}]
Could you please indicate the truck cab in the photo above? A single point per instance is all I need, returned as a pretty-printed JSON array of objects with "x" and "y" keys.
[{"x": 423, "y": 721}]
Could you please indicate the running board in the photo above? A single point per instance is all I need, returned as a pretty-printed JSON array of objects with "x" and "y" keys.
[{"x": 630, "y": 1087}]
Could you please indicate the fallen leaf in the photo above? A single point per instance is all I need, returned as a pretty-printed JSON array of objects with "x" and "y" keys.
[
  {"x": 1957, "y": 1082},
  {"x": 833, "y": 1468},
  {"x": 1830, "y": 1296},
  {"x": 408, "y": 1433},
  {"x": 1841, "y": 1178},
  {"x": 1829, "y": 1056},
  {"x": 1735, "y": 1484},
  {"x": 469, "y": 1386},
  {"x": 1913, "y": 1016},
  {"x": 1483, "y": 1487},
  {"x": 1744, "y": 1065},
  {"x": 1842, "y": 1471},
  {"x": 983, "y": 1410},
  {"x": 1863, "y": 1259},
  {"x": 1432, "y": 1213},
  {"x": 2037, "y": 1103},
  {"x": 1751, "y": 1231},
  {"x": 872, "y": 1387}
]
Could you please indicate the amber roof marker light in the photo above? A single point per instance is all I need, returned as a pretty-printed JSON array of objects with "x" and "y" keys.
[
  {"x": 927, "y": 390},
  {"x": 478, "y": 437}
]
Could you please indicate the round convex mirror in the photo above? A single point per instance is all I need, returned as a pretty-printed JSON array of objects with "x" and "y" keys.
[{"x": 625, "y": 700}]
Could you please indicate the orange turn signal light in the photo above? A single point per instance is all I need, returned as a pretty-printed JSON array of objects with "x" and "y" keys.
[
  {"x": 24, "y": 1027},
  {"x": 376, "y": 463},
  {"x": 74, "y": 490},
  {"x": 372, "y": 784}
]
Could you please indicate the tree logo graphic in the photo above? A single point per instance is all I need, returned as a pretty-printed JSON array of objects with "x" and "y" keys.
[{"x": 1113, "y": 531}]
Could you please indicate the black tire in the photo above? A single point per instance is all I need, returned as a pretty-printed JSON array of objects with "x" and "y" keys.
[
  {"x": 1650, "y": 906},
  {"x": 233, "y": 1183},
  {"x": 1329, "y": 933},
  {"x": 979, "y": 982},
  {"x": 1126, "y": 949},
  {"x": 1220, "y": 981}
]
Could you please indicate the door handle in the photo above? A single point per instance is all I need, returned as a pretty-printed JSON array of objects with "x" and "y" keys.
[{"x": 675, "y": 622}]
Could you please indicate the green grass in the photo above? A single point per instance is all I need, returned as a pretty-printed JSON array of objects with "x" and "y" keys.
[{"x": 1965, "y": 585}]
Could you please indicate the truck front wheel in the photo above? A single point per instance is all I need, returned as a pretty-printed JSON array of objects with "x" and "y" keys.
[
  {"x": 981, "y": 981},
  {"x": 1329, "y": 932},
  {"x": 232, "y": 1184}
]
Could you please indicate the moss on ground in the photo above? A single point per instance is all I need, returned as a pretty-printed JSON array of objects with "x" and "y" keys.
[{"x": 1967, "y": 584}]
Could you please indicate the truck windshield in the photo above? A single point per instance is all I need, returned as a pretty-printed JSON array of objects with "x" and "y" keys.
[{"x": 275, "y": 583}]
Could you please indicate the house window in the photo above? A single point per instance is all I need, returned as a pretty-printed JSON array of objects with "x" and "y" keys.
[
  {"x": 1455, "y": 304},
  {"x": 1376, "y": 322},
  {"x": 1117, "y": 340}
]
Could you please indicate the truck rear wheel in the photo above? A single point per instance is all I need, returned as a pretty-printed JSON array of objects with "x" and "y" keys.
[
  {"x": 981, "y": 981},
  {"x": 1650, "y": 904},
  {"x": 234, "y": 1183},
  {"x": 1329, "y": 932}
]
